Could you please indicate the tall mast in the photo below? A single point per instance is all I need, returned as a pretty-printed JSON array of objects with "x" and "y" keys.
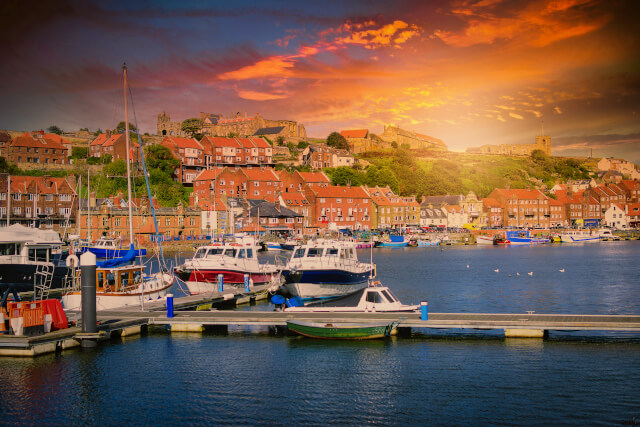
[
  {"x": 126, "y": 127},
  {"x": 89, "y": 239}
]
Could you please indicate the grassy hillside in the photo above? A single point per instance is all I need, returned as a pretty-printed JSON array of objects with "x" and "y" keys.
[{"x": 431, "y": 172}]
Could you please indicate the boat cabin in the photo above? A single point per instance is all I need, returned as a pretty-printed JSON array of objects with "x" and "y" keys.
[
  {"x": 24, "y": 252},
  {"x": 118, "y": 279},
  {"x": 325, "y": 251},
  {"x": 231, "y": 251},
  {"x": 107, "y": 244}
]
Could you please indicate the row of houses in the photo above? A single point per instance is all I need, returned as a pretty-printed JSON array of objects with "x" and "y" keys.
[
  {"x": 232, "y": 199},
  {"x": 35, "y": 148}
]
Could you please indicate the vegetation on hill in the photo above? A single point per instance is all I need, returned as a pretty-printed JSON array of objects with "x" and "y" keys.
[{"x": 410, "y": 172}]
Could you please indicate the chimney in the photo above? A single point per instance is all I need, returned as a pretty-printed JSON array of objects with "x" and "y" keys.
[
  {"x": 108, "y": 133},
  {"x": 92, "y": 199},
  {"x": 276, "y": 204}
]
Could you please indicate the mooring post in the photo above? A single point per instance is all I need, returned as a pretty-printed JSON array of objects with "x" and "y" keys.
[
  {"x": 88, "y": 292},
  {"x": 169, "y": 305},
  {"x": 247, "y": 287},
  {"x": 424, "y": 310},
  {"x": 220, "y": 283}
]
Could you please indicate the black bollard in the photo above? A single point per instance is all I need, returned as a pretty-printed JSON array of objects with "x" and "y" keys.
[{"x": 88, "y": 288}]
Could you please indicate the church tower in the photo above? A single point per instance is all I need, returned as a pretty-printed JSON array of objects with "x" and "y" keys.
[{"x": 544, "y": 143}]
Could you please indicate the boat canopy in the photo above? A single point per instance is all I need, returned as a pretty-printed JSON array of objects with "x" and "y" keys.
[
  {"x": 19, "y": 233},
  {"x": 128, "y": 257}
]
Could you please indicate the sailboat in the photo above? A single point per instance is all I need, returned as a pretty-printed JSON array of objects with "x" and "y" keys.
[{"x": 119, "y": 285}]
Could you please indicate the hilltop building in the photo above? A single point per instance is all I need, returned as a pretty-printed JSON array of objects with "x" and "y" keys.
[
  {"x": 415, "y": 140},
  {"x": 542, "y": 143},
  {"x": 236, "y": 124}
]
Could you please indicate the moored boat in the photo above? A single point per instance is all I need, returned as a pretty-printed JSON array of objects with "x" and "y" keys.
[
  {"x": 232, "y": 260},
  {"x": 392, "y": 242},
  {"x": 326, "y": 269},
  {"x": 375, "y": 298},
  {"x": 522, "y": 237},
  {"x": 109, "y": 248},
  {"x": 484, "y": 240},
  {"x": 580, "y": 236},
  {"x": 28, "y": 260},
  {"x": 342, "y": 331},
  {"x": 121, "y": 287}
]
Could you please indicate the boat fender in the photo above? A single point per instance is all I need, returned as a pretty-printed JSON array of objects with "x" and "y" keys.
[{"x": 72, "y": 260}]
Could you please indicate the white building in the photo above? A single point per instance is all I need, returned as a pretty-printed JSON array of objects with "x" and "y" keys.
[
  {"x": 456, "y": 216},
  {"x": 616, "y": 217}
]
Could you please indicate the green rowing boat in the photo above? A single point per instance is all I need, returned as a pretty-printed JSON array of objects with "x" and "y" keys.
[{"x": 342, "y": 331}]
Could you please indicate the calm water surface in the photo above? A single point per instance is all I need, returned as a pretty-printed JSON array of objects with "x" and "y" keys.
[{"x": 250, "y": 376}]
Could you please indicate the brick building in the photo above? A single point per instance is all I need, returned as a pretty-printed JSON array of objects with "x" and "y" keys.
[
  {"x": 346, "y": 207},
  {"x": 36, "y": 148},
  {"x": 222, "y": 151},
  {"x": 115, "y": 146},
  {"x": 44, "y": 202},
  {"x": 523, "y": 208},
  {"x": 191, "y": 155}
]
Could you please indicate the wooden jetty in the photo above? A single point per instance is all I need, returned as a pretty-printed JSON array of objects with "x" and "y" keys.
[{"x": 130, "y": 321}]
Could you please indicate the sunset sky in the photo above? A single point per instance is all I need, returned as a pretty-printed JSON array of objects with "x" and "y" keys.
[{"x": 467, "y": 72}]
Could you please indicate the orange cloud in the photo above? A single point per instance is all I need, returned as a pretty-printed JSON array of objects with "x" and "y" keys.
[
  {"x": 533, "y": 25},
  {"x": 273, "y": 66}
]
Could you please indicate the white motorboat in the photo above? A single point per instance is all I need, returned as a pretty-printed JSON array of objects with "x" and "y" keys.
[
  {"x": 580, "y": 236},
  {"x": 484, "y": 240},
  {"x": 233, "y": 261},
  {"x": 326, "y": 269},
  {"x": 375, "y": 298},
  {"x": 606, "y": 234}
]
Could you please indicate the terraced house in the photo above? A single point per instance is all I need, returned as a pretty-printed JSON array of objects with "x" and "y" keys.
[
  {"x": 114, "y": 145},
  {"x": 191, "y": 155},
  {"x": 391, "y": 210},
  {"x": 36, "y": 148},
  {"x": 221, "y": 151},
  {"x": 523, "y": 208},
  {"x": 43, "y": 202}
]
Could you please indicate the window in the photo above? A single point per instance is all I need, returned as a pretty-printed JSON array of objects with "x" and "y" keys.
[
  {"x": 17, "y": 196},
  {"x": 17, "y": 211},
  {"x": 167, "y": 221}
]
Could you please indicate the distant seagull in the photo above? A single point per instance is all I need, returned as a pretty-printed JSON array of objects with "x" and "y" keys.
[
  {"x": 517, "y": 274},
  {"x": 497, "y": 270},
  {"x": 467, "y": 265},
  {"x": 530, "y": 273},
  {"x": 561, "y": 271}
]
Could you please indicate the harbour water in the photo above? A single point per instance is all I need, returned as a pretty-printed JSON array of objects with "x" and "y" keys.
[{"x": 251, "y": 376}]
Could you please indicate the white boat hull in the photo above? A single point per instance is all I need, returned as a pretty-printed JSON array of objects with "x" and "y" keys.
[{"x": 155, "y": 289}]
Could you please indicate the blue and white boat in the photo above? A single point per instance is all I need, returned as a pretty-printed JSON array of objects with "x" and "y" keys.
[
  {"x": 522, "y": 237},
  {"x": 392, "y": 242},
  {"x": 326, "y": 269},
  {"x": 272, "y": 246},
  {"x": 110, "y": 248},
  {"x": 580, "y": 236}
]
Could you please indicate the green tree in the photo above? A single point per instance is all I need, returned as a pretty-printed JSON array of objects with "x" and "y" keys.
[
  {"x": 338, "y": 141},
  {"x": 280, "y": 140},
  {"x": 54, "y": 129},
  {"x": 79, "y": 152},
  {"x": 160, "y": 157},
  {"x": 192, "y": 127},
  {"x": 345, "y": 175},
  {"x": 121, "y": 128},
  {"x": 302, "y": 145},
  {"x": 6, "y": 167}
]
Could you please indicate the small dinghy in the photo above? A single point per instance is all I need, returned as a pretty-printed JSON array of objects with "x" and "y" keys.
[{"x": 342, "y": 331}]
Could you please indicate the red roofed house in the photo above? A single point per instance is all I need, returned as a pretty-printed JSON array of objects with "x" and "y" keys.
[
  {"x": 251, "y": 183},
  {"x": 579, "y": 206},
  {"x": 51, "y": 201},
  {"x": 214, "y": 215},
  {"x": 37, "y": 147},
  {"x": 523, "y": 208},
  {"x": 558, "y": 214},
  {"x": 392, "y": 211},
  {"x": 191, "y": 155},
  {"x": 237, "y": 151},
  {"x": 631, "y": 189},
  {"x": 346, "y": 207},
  {"x": 115, "y": 146},
  {"x": 606, "y": 195},
  {"x": 633, "y": 212},
  {"x": 297, "y": 181}
]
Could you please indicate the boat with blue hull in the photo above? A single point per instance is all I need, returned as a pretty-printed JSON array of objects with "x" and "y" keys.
[
  {"x": 110, "y": 248},
  {"x": 522, "y": 237},
  {"x": 325, "y": 269},
  {"x": 392, "y": 242}
]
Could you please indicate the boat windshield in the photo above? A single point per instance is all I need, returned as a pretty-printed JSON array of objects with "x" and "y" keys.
[
  {"x": 299, "y": 253},
  {"x": 39, "y": 254},
  {"x": 388, "y": 295},
  {"x": 215, "y": 251},
  {"x": 200, "y": 253},
  {"x": 374, "y": 296},
  {"x": 230, "y": 253},
  {"x": 314, "y": 252},
  {"x": 241, "y": 253}
]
